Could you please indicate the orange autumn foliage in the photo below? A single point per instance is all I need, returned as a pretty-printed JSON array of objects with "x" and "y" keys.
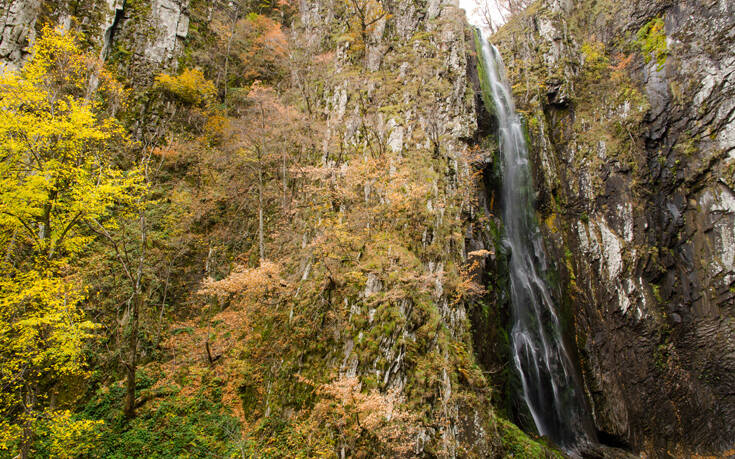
[
  {"x": 261, "y": 282},
  {"x": 264, "y": 56},
  {"x": 362, "y": 420}
]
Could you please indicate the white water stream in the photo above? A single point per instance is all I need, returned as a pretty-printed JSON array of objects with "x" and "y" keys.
[{"x": 550, "y": 387}]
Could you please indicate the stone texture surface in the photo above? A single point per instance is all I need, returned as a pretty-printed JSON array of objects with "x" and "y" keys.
[
  {"x": 17, "y": 30},
  {"x": 171, "y": 25},
  {"x": 154, "y": 32}
]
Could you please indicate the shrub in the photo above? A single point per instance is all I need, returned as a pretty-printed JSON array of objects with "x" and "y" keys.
[
  {"x": 652, "y": 40},
  {"x": 190, "y": 87}
]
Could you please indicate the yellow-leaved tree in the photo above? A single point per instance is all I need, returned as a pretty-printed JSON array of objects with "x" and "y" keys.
[{"x": 56, "y": 178}]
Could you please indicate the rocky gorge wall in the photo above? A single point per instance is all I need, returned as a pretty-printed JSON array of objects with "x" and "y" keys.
[
  {"x": 631, "y": 117},
  {"x": 403, "y": 108},
  {"x": 408, "y": 90},
  {"x": 154, "y": 31}
]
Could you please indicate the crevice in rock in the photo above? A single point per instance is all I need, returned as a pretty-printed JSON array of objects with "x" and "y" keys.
[
  {"x": 613, "y": 441},
  {"x": 110, "y": 32}
]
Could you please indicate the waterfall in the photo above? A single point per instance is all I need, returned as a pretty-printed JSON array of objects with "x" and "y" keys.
[{"x": 550, "y": 385}]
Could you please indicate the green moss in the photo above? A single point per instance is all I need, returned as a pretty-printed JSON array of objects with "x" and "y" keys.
[
  {"x": 652, "y": 41},
  {"x": 517, "y": 443},
  {"x": 484, "y": 78},
  {"x": 657, "y": 292},
  {"x": 687, "y": 146}
]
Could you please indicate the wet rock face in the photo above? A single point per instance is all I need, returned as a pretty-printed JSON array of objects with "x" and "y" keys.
[{"x": 637, "y": 189}]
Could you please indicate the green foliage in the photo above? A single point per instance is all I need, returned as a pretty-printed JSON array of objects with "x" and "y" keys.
[
  {"x": 196, "y": 425},
  {"x": 517, "y": 444},
  {"x": 596, "y": 61},
  {"x": 652, "y": 41},
  {"x": 67, "y": 436}
]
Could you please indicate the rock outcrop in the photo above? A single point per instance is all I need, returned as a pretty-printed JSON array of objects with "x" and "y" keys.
[
  {"x": 17, "y": 25},
  {"x": 153, "y": 32}
]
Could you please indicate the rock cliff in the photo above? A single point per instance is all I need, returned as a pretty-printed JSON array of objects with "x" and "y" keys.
[
  {"x": 407, "y": 93},
  {"x": 630, "y": 112},
  {"x": 153, "y": 31}
]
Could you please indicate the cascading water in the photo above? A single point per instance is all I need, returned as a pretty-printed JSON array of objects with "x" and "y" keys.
[{"x": 549, "y": 383}]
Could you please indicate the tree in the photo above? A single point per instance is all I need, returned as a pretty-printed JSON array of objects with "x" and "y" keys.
[
  {"x": 262, "y": 136},
  {"x": 248, "y": 46},
  {"x": 132, "y": 259},
  {"x": 56, "y": 174},
  {"x": 364, "y": 16},
  {"x": 139, "y": 228},
  {"x": 495, "y": 13},
  {"x": 372, "y": 422},
  {"x": 263, "y": 48}
]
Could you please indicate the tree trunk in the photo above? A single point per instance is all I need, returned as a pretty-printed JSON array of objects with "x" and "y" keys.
[
  {"x": 132, "y": 364},
  {"x": 261, "y": 244},
  {"x": 137, "y": 304},
  {"x": 27, "y": 439},
  {"x": 227, "y": 54},
  {"x": 261, "y": 154},
  {"x": 285, "y": 182},
  {"x": 11, "y": 246}
]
